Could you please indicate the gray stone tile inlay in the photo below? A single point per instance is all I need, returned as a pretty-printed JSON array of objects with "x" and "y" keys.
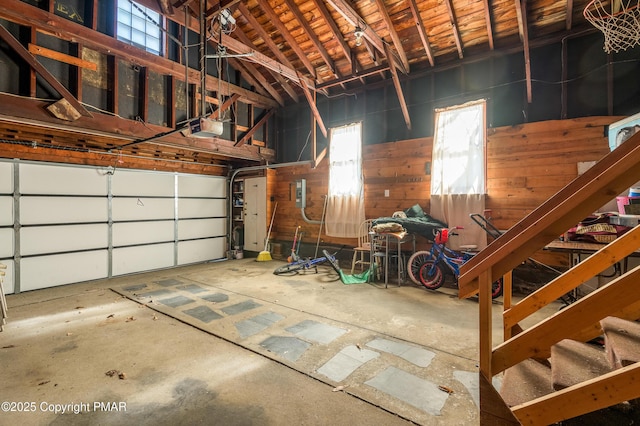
[
  {"x": 168, "y": 282},
  {"x": 191, "y": 288},
  {"x": 411, "y": 389},
  {"x": 316, "y": 331},
  {"x": 415, "y": 355},
  {"x": 136, "y": 287},
  {"x": 256, "y": 324},
  {"x": 247, "y": 305},
  {"x": 174, "y": 302},
  {"x": 290, "y": 348},
  {"x": 203, "y": 313},
  {"x": 346, "y": 362},
  {"x": 155, "y": 293},
  {"x": 216, "y": 297}
]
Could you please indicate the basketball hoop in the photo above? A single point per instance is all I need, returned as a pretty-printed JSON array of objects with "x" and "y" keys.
[{"x": 620, "y": 25}]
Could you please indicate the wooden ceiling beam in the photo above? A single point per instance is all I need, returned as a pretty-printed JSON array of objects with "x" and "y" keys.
[
  {"x": 225, "y": 106},
  {"x": 487, "y": 20},
  {"x": 245, "y": 39},
  {"x": 421, "y": 30},
  {"x": 255, "y": 128},
  {"x": 454, "y": 27},
  {"x": 569, "y": 15},
  {"x": 25, "y": 14},
  {"x": 353, "y": 18},
  {"x": 397, "y": 43},
  {"x": 313, "y": 37},
  {"x": 527, "y": 56},
  {"x": 314, "y": 108},
  {"x": 293, "y": 44},
  {"x": 254, "y": 77},
  {"x": 401, "y": 99},
  {"x": 40, "y": 69}
]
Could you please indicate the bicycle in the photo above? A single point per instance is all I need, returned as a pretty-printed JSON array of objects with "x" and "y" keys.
[
  {"x": 304, "y": 264},
  {"x": 427, "y": 267}
]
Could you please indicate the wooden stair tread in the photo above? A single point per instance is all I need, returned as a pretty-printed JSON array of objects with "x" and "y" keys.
[
  {"x": 622, "y": 340},
  {"x": 574, "y": 362},
  {"x": 525, "y": 381}
]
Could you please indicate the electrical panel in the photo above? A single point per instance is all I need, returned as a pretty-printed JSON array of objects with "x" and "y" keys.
[{"x": 301, "y": 193}]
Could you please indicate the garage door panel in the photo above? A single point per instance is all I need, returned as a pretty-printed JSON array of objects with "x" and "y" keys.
[
  {"x": 202, "y": 186},
  {"x": 138, "y": 183},
  {"x": 142, "y": 208},
  {"x": 200, "y": 207},
  {"x": 130, "y": 233},
  {"x": 9, "y": 279},
  {"x": 6, "y": 177},
  {"x": 128, "y": 260},
  {"x": 201, "y": 250},
  {"x": 201, "y": 228},
  {"x": 36, "y": 210},
  {"x": 61, "y": 238},
  {"x": 6, "y": 243},
  {"x": 6, "y": 210},
  {"x": 53, "y": 179},
  {"x": 53, "y": 270}
]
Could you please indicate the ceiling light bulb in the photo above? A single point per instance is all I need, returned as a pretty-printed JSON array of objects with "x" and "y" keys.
[{"x": 358, "y": 33}]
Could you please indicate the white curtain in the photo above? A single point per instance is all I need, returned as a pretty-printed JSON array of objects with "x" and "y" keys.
[
  {"x": 345, "y": 204},
  {"x": 458, "y": 170}
]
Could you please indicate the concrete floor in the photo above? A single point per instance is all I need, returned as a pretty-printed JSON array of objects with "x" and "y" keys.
[{"x": 230, "y": 343}]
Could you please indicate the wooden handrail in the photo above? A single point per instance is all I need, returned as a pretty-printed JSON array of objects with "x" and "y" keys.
[
  {"x": 606, "y": 179},
  {"x": 607, "y": 256},
  {"x": 536, "y": 341}
]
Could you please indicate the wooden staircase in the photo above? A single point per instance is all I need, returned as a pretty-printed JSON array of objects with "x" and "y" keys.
[
  {"x": 549, "y": 372},
  {"x": 573, "y": 363}
]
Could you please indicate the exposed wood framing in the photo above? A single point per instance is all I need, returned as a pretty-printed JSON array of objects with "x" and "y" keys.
[
  {"x": 255, "y": 128},
  {"x": 454, "y": 27},
  {"x": 397, "y": 43},
  {"x": 40, "y": 69},
  {"x": 527, "y": 56},
  {"x": 421, "y": 30},
  {"x": 61, "y": 57},
  {"x": 487, "y": 19},
  {"x": 275, "y": 20},
  {"x": 347, "y": 12},
  {"x": 401, "y": 100},
  {"x": 313, "y": 37},
  {"x": 314, "y": 108}
]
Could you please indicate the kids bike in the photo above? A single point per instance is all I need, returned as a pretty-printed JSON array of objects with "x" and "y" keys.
[{"x": 428, "y": 268}]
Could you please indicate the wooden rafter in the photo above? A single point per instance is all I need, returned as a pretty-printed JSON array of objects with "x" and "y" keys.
[
  {"x": 454, "y": 27},
  {"x": 258, "y": 81},
  {"x": 314, "y": 108},
  {"x": 24, "y": 14},
  {"x": 313, "y": 37},
  {"x": 397, "y": 43},
  {"x": 255, "y": 128},
  {"x": 569, "y": 17},
  {"x": 275, "y": 20},
  {"x": 270, "y": 44},
  {"x": 487, "y": 20},
  {"x": 225, "y": 106},
  {"x": 527, "y": 56},
  {"x": 40, "y": 69},
  {"x": 166, "y": 7},
  {"x": 351, "y": 16},
  {"x": 401, "y": 100},
  {"x": 421, "y": 30}
]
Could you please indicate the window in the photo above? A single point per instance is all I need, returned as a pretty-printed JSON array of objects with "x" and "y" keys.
[
  {"x": 139, "y": 26},
  {"x": 458, "y": 170},
  {"x": 345, "y": 204},
  {"x": 345, "y": 165},
  {"x": 459, "y": 150}
]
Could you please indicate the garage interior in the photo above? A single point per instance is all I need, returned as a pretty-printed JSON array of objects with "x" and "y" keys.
[{"x": 153, "y": 152}]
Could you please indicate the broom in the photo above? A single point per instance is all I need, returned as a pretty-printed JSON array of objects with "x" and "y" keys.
[{"x": 265, "y": 255}]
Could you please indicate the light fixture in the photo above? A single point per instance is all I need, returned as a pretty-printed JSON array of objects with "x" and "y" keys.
[{"x": 358, "y": 33}]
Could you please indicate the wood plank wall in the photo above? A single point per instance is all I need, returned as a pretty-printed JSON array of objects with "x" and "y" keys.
[{"x": 526, "y": 164}]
